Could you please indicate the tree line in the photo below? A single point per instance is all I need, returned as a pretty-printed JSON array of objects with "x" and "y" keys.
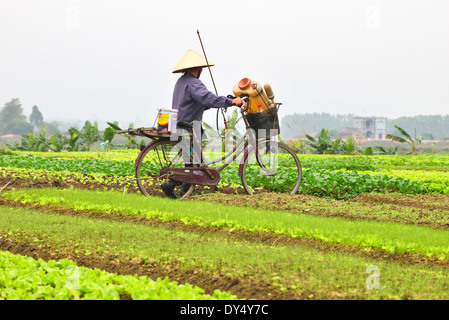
[
  {"x": 429, "y": 127},
  {"x": 38, "y": 135},
  {"x": 13, "y": 120},
  {"x": 324, "y": 144}
]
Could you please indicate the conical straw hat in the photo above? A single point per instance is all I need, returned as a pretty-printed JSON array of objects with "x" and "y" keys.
[{"x": 192, "y": 59}]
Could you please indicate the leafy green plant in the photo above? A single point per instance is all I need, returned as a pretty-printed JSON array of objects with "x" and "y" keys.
[
  {"x": 31, "y": 142},
  {"x": 131, "y": 139},
  {"x": 323, "y": 145},
  {"x": 388, "y": 236},
  {"x": 109, "y": 134},
  {"x": 368, "y": 151},
  {"x": 413, "y": 142},
  {"x": 316, "y": 181},
  {"x": 89, "y": 134},
  {"x": 391, "y": 150},
  {"x": 72, "y": 141},
  {"x": 298, "y": 146},
  {"x": 26, "y": 278},
  {"x": 58, "y": 142}
]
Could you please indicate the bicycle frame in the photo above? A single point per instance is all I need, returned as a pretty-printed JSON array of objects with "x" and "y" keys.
[{"x": 241, "y": 146}]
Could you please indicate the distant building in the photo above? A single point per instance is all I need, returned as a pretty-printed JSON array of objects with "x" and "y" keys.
[{"x": 371, "y": 127}]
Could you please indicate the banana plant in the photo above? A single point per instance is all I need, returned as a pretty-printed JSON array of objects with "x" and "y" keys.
[
  {"x": 74, "y": 137},
  {"x": 131, "y": 140},
  {"x": 323, "y": 145},
  {"x": 368, "y": 151},
  {"x": 31, "y": 142},
  {"x": 383, "y": 151},
  {"x": 58, "y": 142},
  {"x": 109, "y": 134},
  {"x": 89, "y": 134},
  {"x": 407, "y": 139},
  {"x": 298, "y": 146},
  {"x": 351, "y": 145}
]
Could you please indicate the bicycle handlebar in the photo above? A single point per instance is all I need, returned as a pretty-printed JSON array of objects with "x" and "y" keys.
[{"x": 244, "y": 97}]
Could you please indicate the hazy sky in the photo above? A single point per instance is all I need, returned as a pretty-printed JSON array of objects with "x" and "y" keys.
[{"x": 113, "y": 60}]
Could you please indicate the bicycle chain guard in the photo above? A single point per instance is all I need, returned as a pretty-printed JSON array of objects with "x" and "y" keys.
[{"x": 195, "y": 175}]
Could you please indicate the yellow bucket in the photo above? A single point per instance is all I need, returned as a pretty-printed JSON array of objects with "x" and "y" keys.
[{"x": 167, "y": 119}]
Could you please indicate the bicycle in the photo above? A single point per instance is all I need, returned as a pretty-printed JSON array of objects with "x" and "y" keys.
[{"x": 266, "y": 165}]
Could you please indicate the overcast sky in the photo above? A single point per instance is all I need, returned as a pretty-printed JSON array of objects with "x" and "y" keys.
[{"x": 113, "y": 60}]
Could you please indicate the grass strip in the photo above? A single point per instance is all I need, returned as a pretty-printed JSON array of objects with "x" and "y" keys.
[
  {"x": 325, "y": 274},
  {"x": 430, "y": 210},
  {"x": 390, "y": 237},
  {"x": 23, "y": 278},
  {"x": 297, "y": 204}
]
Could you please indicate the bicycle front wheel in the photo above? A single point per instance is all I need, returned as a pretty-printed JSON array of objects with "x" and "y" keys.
[
  {"x": 152, "y": 167},
  {"x": 271, "y": 167}
]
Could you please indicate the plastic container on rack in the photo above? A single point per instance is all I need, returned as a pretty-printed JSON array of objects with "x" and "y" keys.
[
  {"x": 167, "y": 119},
  {"x": 262, "y": 111},
  {"x": 258, "y": 99}
]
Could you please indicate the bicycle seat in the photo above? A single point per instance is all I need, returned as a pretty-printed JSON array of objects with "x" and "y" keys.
[{"x": 185, "y": 124}]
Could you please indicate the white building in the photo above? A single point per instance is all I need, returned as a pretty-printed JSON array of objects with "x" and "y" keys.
[{"x": 371, "y": 127}]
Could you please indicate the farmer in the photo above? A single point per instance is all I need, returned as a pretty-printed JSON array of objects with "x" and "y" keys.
[{"x": 191, "y": 98}]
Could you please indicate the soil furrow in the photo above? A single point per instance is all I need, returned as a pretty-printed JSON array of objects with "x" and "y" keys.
[
  {"x": 428, "y": 210},
  {"x": 243, "y": 288},
  {"x": 260, "y": 237}
]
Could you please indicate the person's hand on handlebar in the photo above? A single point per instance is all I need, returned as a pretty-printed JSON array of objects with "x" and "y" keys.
[{"x": 238, "y": 102}]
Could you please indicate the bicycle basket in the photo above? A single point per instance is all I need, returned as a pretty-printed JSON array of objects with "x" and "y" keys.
[{"x": 265, "y": 120}]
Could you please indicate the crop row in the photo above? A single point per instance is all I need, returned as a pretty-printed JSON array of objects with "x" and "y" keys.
[
  {"x": 108, "y": 181},
  {"x": 328, "y": 162},
  {"x": 390, "y": 237},
  {"x": 23, "y": 278},
  {"x": 88, "y": 166},
  {"x": 126, "y": 167},
  {"x": 434, "y": 181},
  {"x": 347, "y": 185},
  {"x": 308, "y": 270},
  {"x": 318, "y": 182}
]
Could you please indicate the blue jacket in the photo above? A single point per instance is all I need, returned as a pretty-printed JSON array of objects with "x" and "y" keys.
[{"x": 191, "y": 98}]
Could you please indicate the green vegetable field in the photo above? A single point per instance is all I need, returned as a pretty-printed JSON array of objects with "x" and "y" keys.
[{"x": 73, "y": 225}]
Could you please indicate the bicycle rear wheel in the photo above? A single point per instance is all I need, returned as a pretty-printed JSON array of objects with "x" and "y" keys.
[
  {"x": 271, "y": 167},
  {"x": 152, "y": 167}
]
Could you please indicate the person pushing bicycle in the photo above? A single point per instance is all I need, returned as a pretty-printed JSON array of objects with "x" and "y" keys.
[{"x": 191, "y": 98}]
